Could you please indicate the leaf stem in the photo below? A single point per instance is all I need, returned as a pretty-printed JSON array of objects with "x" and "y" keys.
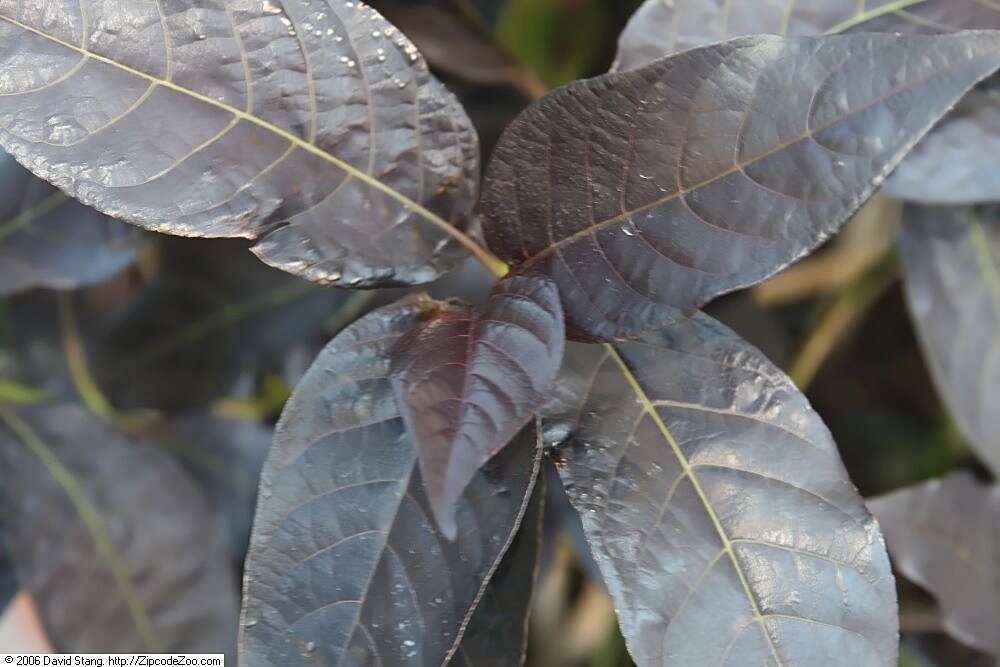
[
  {"x": 18, "y": 394},
  {"x": 864, "y": 17},
  {"x": 842, "y": 317},
  {"x": 493, "y": 263},
  {"x": 92, "y": 519},
  {"x": 76, "y": 359}
]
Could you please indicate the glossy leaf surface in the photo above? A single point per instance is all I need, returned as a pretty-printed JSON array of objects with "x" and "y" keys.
[
  {"x": 663, "y": 27},
  {"x": 951, "y": 260},
  {"x": 717, "y": 507},
  {"x": 467, "y": 381},
  {"x": 945, "y": 536},
  {"x": 497, "y": 635},
  {"x": 954, "y": 165},
  {"x": 224, "y": 457},
  {"x": 149, "y": 572},
  {"x": 315, "y": 128},
  {"x": 645, "y": 194},
  {"x": 957, "y": 163},
  {"x": 49, "y": 240},
  {"x": 346, "y": 563}
]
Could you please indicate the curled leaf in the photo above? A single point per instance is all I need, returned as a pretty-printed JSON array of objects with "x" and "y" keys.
[
  {"x": 346, "y": 563},
  {"x": 318, "y": 131},
  {"x": 717, "y": 508},
  {"x": 467, "y": 381},
  {"x": 645, "y": 194}
]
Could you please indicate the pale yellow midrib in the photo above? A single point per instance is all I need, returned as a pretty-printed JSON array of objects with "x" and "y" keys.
[
  {"x": 984, "y": 257},
  {"x": 727, "y": 545},
  {"x": 865, "y": 16},
  {"x": 94, "y": 522},
  {"x": 296, "y": 141}
]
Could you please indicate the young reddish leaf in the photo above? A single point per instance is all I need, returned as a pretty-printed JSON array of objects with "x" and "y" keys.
[
  {"x": 466, "y": 381},
  {"x": 663, "y": 27},
  {"x": 111, "y": 539},
  {"x": 346, "y": 565},
  {"x": 951, "y": 262},
  {"x": 48, "y": 240},
  {"x": 945, "y": 536},
  {"x": 318, "y": 131},
  {"x": 645, "y": 194},
  {"x": 717, "y": 507}
]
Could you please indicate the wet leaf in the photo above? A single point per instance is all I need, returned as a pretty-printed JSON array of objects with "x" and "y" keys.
[
  {"x": 497, "y": 635},
  {"x": 224, "y": 457},
  {"x": 346, "y": 563},
  {"x": 468, "y": 380},
  {"x": 148, "y": 571},
  {"x": 663, "y": 27},
  {"x": 48, "y": 240},
  {"x": 957, "y": 163},
  {"x": 717, "y": 507},
  {"x": 945, "y": 536},
  {"x": 951, "y": 261},
  {"x": 623, "y": 188},
  {"x": 317, "y": 131},
  {"x": 952, "y": 166}
]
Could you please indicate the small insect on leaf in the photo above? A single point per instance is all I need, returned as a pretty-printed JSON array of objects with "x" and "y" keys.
[
  {"x": 467, "y": 381},
  {"x": 321, "y": 134},
  {"x": 645, "y": 194}
]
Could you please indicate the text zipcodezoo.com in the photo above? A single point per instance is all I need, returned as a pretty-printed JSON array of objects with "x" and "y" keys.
[{"x": 113, "y": 660}]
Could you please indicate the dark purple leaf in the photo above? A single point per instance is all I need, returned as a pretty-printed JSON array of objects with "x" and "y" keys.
[
  {"x": 111, "y": 539},
  {"x": 467, "y": 381},
  {"x": 945, "y": 536},
  {"x": 49, "y": 240},
  {"x": 645, "y": 194},
  {"x": 717, "y": 507},
  {"x": 346, "y": 563},
  {"x": 663, "y": 27},
  {"x": 952, "y": 166},
  {"x": 497, "y": 635},
  {"x": 318, "y": 131},
  {"x": 957, "y": 162},
  {"x": 951, "y": 261}
]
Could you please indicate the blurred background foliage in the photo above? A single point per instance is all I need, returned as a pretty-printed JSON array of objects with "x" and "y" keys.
[{"x": 198, "y": 326}]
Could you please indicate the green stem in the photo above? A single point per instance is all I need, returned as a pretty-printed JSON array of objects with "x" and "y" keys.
[
  {"x": 17, "y": 394},
  {"x": 76, "y": 359}
]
